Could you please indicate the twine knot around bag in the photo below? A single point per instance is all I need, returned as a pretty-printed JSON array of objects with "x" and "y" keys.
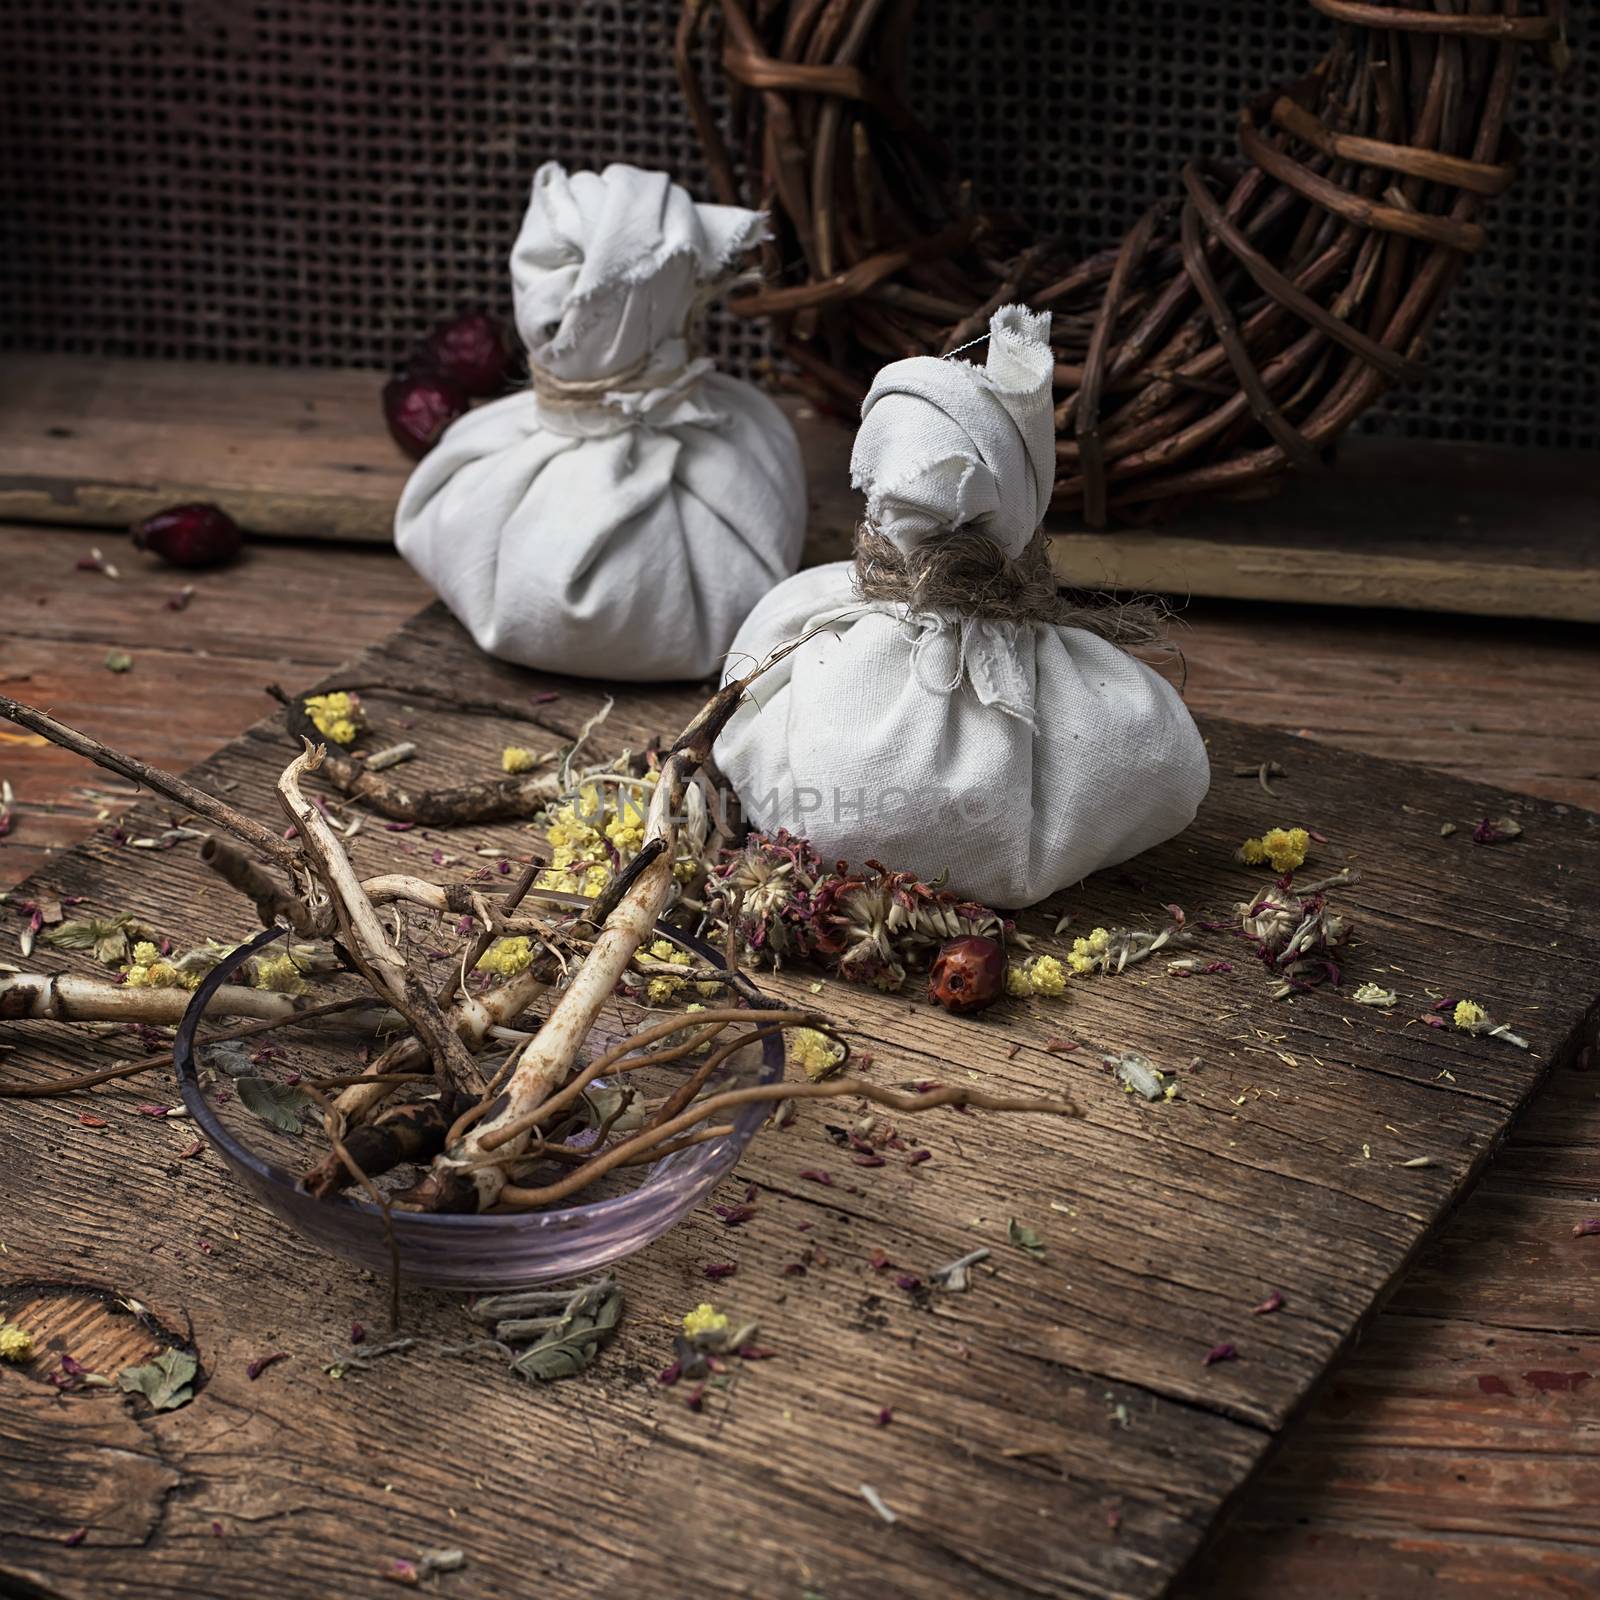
[
  {"x": 942, "y": 704},
  {"x": 966, "y": 574},
  {"x": 619, "y": 516},
  {"x": 644, "y": 375}
]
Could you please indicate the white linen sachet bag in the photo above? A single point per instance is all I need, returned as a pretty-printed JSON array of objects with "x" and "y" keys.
[
  {"x": 620, "y": 517},
  {"x": 944, "y": 712}
]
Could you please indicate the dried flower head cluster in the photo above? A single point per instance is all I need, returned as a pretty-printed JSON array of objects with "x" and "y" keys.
[
  {"x": 339, "y": 716},
  {"x": 870, "y": 926},
  {"x": 599, "y": 830},
  {"x": 1283, "y": 849},
  {"x": 1472, "y": 1018},
  {"x": 1297, "y": 935},
  {"x": 1112, "y": 950}
]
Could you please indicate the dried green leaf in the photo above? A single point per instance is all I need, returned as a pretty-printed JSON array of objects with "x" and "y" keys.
[
  {"x": 1025, "y": 1238},
  {"x": 111, "y": 938},
  {"x": 590, "y": 1319},
  {"x": 118, "y": 661},
  {"x": 165, "y": 1382},
  {"x": 230, "y": 1057},
  {"x": 277, "y": 1103}
]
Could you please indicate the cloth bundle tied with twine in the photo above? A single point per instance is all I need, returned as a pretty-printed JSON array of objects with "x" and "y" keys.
[
  {"x": 619, "y": 517},
  {"x": 950, "y": 710}
]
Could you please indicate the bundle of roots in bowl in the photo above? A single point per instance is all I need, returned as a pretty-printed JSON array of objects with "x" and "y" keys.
[{"x": 504, "y": 1092}]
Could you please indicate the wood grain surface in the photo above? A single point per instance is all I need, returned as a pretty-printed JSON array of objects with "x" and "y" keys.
[
  {"x": 1279, "y": 1167},
  {"x": 1402, "y": 523}
]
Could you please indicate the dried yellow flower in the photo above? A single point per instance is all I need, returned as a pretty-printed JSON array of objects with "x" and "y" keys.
[
  {"x": 280, "y": 974},
  {"x": 1047, "y": 977},
  {"x": 1082, "y": 955},
  {"x": 337, "y": 716},
  {"x": 1469, "y": 1016},
  {"x": 515, "y": 759},
  {"x": 705, "y": 1318},
  {"x": 1283, "y": 848},
  {"x": 814, "y": 1053},
  {"x": 1017, "y": 984},
  {"x": 507, "y": 957},
  {"x": 16, "y": 1344}
]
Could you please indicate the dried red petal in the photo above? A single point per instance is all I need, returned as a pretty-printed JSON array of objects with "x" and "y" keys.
[
  {"x": 668, "y": 1376},
  {"x": 1273, "y": 1302},
  {"x": 873, "y": 1160},
  {"x": 917, "y": 1157},
  {"x": 908, "y": 1281},
  {"x": 261, "y": 1363},
  {"x": 92, "y": 1122},
  {"x": 1587, "y": 1228},
  {"x": 816, "y": 1175},
  {"x": 884, "y": 1417},
  {"x": 1220, "y": 1352},
  {"x": 721, "y": 1269}
]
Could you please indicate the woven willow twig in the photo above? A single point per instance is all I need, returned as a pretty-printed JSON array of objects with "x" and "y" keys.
[{"x": 1237, "y": 331}]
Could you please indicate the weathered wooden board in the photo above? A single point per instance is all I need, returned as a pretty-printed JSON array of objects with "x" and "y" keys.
[
  {"x": 303, "y": 453},
  {"x": 1278, "y": 1168}
]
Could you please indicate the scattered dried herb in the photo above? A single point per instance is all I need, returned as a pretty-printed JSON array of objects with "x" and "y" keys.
[
  {"x": 16, "y": 1343},
  {"x": 1025, "y": 1238},
  {"x": 721, "y": 1269},
  {"x": 1496, "y": 831},
  {"x": 1587, "y": 1229},
  {"x": 1371, "y": 994},
  {"x": 816, "y": 1175},
  {"x": 869, "y": 927},
  {"x": 585, "y": 1324},
  {"x": 259, "y": 1364},
  {"x": 166, "y": 1383},
  {"x": 884, "y": 1417},
  {"x": 1220, "y": 1352},
  {"x": 876, "y": 1501},
  {"x": 277, "y": 1103},
  {"x": 1296, "y": 934},
  {"x": 955, "y": 1276},
  {"x": 1139, "y": 1075},
  {"x": 1273, "y": 1302}
]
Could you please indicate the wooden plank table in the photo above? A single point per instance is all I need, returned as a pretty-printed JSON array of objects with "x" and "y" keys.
[
  {"x": 1424, "y": 527},
  {"x": 1178, "y": 1218}
]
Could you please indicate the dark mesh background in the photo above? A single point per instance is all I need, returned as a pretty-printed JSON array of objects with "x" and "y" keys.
[{"x": 317, "y": 182}]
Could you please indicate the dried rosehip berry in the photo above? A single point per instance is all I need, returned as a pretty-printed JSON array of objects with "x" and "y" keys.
[
  {"x": 968, "y": 974},
  {"x": 470, "y": 352},
  {"x": 190, "y": 536},
  {"x": 419, "y": 406}
]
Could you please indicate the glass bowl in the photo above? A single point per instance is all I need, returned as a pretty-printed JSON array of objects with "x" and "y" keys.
[{"x": 504, "y": 1251}]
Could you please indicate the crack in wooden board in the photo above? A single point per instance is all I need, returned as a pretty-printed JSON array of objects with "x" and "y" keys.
[{"x": 1164, "y": 1225}]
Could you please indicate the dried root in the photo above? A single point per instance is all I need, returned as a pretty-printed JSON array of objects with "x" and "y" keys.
[{"x": 497, "y": 1138}]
